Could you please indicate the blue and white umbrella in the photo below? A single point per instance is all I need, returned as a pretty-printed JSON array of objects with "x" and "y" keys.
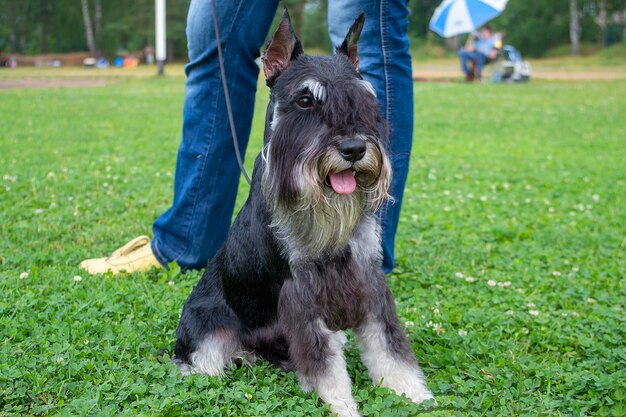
[{"x": 454, "y": 17}]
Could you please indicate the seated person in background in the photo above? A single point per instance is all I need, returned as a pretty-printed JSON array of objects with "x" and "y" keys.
[{"x": 480, "y": 49}]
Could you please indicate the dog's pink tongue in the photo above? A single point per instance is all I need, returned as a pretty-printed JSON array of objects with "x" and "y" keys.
[{"x": 343, "y": 182}]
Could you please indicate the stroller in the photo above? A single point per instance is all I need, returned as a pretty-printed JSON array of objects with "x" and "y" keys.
[{"x": 510, "y": 67}]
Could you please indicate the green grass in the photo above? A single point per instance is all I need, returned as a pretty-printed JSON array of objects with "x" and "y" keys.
[{"x": 522, "y": 186}]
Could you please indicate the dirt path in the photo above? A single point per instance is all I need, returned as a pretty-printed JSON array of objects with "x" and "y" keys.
[
  {"x": 426, "y": 73},
  {"x": 50, "y": 83},
  {"x": 421, "y": 73}
]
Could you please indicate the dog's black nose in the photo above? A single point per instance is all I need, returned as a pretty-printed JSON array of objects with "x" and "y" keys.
[{"x": 352, "y": 150}]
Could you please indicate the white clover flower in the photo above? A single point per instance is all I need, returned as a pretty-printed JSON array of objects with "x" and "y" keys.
[
  {"x": 78, "y": 278},
  {"x": 414, "y": 217},
  {"x": 510, "y": 312},
  {"x": 446, "y": 208},
  {"x": 525, "y": 330},
  {"x": 595, "y": 197},
  {"x": 439, "y": 286},
  {"x": 38, "y": 211},
  {"x": 556, "y": 273},
  {"x": 60, "y": 360},
  {"x": 446, "y": 192},
  {"x": 409, "y": 323},
  {"x": 459, "y": 275},
  {"x": 575, "y": 268},
  {"x": 575, "y": 313},
  {"x": 483, "y": 198},
  {"x": 533, "y": 312},
  {"x": 491, "y": 283},
  {"x": 171, "y": 283},
  {"x": 551, "y": 209},
  {"x": 531, "y": 305},
  {"x": 86, "y": 342},
  {"x": 10, "y": 178},
  {"x": 50, "y": 174},
  {"x": 528, "y": 186},
  {"x": 462, "y": 332},
  {"x": 591, "y": 300},
  {"x": 248, "y": 396},
  {"x": 527, "y": 200},
  {"x": 438, "y": 328},
  {"x": 24, "y": 275},
  {"x": 470, "y": 279}
]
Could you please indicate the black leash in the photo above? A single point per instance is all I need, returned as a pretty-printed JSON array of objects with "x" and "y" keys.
[{"x": 231, "y": 120}]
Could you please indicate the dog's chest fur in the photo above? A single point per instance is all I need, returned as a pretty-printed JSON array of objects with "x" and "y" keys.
[{"x": 340, "y": 289}]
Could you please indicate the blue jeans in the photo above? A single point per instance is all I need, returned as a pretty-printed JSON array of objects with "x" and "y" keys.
[
  {"x": 193, "y": 229},
  {"x": 476, "y": 57}
]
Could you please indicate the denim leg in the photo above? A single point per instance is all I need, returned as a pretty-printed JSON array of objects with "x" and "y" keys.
[
  {"x": 384, "y": 61},
  {"x": 479, "y": 61},
  {"x": 207, "y": 174},
  {"x": 465, "y": 58}
]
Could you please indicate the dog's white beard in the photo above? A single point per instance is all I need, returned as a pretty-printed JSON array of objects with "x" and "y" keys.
[
  {"x": 323, "y": 225},
  {"x": 322, "y": 221}
]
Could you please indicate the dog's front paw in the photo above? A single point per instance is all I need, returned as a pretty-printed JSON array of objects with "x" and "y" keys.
[
  {"x": 413, "y": 386},
  {"x": 419, "y": 393},
  {"x": 345, "y": 409}
]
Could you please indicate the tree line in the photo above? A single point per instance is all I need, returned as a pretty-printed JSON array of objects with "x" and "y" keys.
[{"x": 109, "y": 27}]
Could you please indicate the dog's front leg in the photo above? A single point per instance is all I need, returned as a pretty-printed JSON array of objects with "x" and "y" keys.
[
  {"x": 316, "y": 351},
  {"x": 385, "y": 349}
]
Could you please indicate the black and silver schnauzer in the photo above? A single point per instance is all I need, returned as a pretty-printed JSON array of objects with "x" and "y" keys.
[{"x": 303, "y": 258}]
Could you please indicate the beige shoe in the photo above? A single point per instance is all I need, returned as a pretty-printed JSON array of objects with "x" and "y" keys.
[{"x": 135, "y": 256}]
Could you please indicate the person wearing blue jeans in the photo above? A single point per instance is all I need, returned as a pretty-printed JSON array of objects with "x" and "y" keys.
[
  {"x": 194, "y": 228},
  {"x": 479, "y": 50}
]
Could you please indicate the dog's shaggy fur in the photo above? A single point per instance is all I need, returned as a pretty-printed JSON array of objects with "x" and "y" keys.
[{"x": 303, "y": 259}]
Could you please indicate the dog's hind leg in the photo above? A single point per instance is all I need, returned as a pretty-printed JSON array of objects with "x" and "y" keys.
[
  {"x": 316, "y": 352},
  {"x": 208, "y": 332},
  {"x": 386, "y": 351}
]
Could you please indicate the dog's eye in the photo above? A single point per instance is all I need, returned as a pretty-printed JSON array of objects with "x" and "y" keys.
[{"x": 305, "y": 102}]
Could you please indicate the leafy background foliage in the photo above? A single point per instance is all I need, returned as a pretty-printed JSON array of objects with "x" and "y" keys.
[{"x": 536, "y": 27}]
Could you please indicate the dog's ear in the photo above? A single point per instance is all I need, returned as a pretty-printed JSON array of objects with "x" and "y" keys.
[
  {"x": 281, "y": 49},
  {"x": 348, "y": 47}
]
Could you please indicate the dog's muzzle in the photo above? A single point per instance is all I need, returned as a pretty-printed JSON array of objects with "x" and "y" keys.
[{"x": 344, "y": 181}]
